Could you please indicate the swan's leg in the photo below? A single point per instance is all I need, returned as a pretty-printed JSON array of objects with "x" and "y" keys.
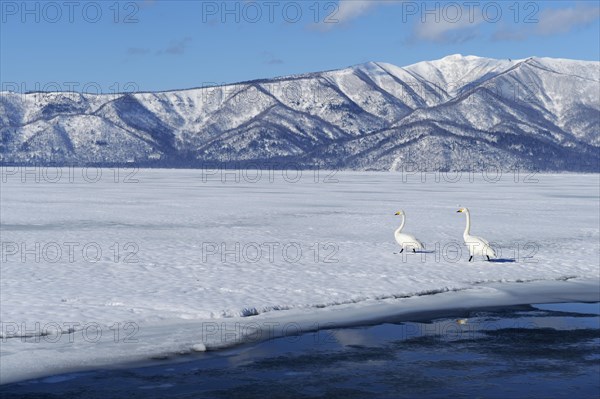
[
  {"x": 414, "y": 251},
  {"x": 471, "y": 258},
  {"x": 488, "y": 257},
  {"x": 401, "y": 250}
]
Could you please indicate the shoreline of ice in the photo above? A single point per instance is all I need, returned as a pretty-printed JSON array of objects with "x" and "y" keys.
[{"x": 54, "y": 356}]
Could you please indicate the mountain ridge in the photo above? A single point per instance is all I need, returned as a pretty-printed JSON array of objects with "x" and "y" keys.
[{"x": 534, "y": 113}]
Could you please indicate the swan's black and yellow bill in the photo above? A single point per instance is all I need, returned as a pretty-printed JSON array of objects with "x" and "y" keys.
[
  {"x": 397, "y": 213},
  {"x": 459, "y": 211}
]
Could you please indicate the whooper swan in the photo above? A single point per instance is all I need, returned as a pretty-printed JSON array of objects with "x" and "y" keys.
[
  {"x": 477, "y": 245},
  {"x": 406, "y": 241}
]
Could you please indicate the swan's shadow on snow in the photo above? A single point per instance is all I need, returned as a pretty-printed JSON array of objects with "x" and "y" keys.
[{"x": 503, "y": 260}]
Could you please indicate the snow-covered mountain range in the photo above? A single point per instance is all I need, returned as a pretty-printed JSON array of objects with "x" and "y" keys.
[{"x": 456, "y": 113}]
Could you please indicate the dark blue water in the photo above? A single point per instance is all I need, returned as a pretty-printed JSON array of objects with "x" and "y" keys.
[{"x": 541, "y": 351}]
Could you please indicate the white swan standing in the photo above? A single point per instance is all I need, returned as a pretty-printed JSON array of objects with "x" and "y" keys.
[
  {"x": 477, "y": 245},
  {"x": 406, "y": 241}
]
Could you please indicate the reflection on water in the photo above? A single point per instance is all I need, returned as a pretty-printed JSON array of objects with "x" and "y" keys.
[{"x": 520, "y": 352}]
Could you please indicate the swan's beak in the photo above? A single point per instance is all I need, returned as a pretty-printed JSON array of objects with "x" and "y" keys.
[
  {"x": 397, "y": 214},
  {"x": 459, "y": 211}
]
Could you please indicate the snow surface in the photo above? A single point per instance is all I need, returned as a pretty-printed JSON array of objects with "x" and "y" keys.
[{"x": 179, "y": 298}]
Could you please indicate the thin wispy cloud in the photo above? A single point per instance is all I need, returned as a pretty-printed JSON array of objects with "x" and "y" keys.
[
  {"x": 348, "y": 10},
  {"x": 442, "y": 30},
  {"x": 562, "y": 20},
  {"x": 351, "y": 9},
  {"x": 177, "y": 47},
  {"x": 270, "y": 59},
  {"x": 431, "y": 29},
  {"x": 552, "y": 21}
]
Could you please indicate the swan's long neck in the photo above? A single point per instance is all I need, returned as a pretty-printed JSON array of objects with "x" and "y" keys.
[
  {"x": 399, "y": 229},
  {"x": 468, "y": 227}
]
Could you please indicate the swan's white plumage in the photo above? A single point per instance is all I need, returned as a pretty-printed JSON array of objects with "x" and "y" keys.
[
  {"x": 477, "y": 245},
  {"x": 406, "y": 241}
]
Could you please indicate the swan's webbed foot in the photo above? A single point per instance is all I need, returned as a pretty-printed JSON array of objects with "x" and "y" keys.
[
  {"x": 414, "y": 251},
  {"x": 471, "y": 258}
]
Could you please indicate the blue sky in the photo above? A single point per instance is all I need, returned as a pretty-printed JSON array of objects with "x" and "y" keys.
[{"x": 159, "y": 45}]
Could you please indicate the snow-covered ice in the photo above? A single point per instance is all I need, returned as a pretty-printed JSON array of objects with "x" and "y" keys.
[{"x": 166, "y": 264}]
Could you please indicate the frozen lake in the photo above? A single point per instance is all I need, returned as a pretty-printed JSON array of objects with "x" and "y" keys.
[{"x": 133, "y": 264}]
